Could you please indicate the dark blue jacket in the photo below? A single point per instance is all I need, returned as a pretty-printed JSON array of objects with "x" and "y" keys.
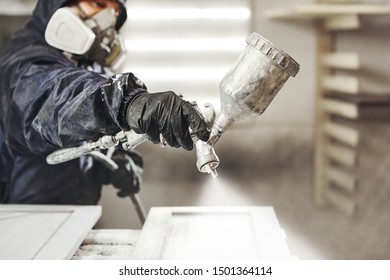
[{"x": 48, "y": 103}]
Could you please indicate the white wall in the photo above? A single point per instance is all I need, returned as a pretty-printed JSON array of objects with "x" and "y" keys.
[{"x": 185, "y": 46}]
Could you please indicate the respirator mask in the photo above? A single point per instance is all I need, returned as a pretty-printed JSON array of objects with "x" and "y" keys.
[{"x": 94, "y": 38}]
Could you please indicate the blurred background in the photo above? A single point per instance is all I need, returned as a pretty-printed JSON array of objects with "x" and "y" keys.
[{"x": 319, "y": 154}]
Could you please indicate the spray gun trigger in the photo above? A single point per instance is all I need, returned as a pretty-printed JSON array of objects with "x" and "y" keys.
[{"x": 209, "y": 121}]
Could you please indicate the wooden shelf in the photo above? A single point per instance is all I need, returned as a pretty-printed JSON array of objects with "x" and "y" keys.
[
  {"x": 336, "y": 17},
  {"x": 364, "y": 107},
  {"x": 341, "y": 60},
  {"x": 341, "y": 83},
  {"x": 341, "y": 201},
  {"x": 342, "y": 154},
  {"x": 318, "y": 11},
  {"x": 342, "y": 179},
  {"x": 363, "y": 98},
  {"x": 342, "y": 133}
]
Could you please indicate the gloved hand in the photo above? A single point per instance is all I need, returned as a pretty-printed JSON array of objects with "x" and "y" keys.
[
  {"x": 168, "y": 114},
  {"x": 127, "y": 178}
]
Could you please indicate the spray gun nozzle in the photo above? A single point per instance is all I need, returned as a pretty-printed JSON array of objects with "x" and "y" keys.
[
  {"x": 206, "y": 158},
  {"x": 210, "y": 168},
  {"x": 212, "y": 172}
]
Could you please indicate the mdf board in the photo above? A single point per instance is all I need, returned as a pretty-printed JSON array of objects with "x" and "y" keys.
[
  {"x": 241, "y": 233},
  {"x": 46, "y": 232}
]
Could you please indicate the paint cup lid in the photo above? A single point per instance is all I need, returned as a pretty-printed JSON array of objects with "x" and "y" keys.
[{"x": 278, "y": 56}]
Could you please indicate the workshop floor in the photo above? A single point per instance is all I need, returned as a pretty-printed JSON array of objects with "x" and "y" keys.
[{"x": 271, "y": 173}]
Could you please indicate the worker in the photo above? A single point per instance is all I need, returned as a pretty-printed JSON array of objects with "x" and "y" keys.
[{"x": 56, "y": 91}]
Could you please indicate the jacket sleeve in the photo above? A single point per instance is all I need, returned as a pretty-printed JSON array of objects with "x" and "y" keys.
[{"x": 51, "y": 103}]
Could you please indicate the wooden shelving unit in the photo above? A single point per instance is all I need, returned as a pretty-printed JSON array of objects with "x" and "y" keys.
[
  {"x": 333, "y": 16},
  {"x": 341, "y": 106},
  {"x": 322, "y": 10}
]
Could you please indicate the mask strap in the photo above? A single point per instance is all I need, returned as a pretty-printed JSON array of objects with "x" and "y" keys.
[{"x": 82, "y": 13}]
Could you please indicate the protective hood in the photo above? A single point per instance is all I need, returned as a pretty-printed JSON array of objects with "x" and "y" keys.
[
  {"x": 46, "y": 103},
  {"x": 44, "y": 10}
]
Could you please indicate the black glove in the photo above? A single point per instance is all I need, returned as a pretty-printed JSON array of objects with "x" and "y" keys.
[
  {"x": 127, "y": 178},
  {"x": 168, "y": 114}
]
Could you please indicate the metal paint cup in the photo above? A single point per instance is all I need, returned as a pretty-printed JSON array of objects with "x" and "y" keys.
[{"x": 252, "y": 82}]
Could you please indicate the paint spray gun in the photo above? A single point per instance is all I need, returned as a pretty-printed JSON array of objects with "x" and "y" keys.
[{"x": 247, "y": 89}]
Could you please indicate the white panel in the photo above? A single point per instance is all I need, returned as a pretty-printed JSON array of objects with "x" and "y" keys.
[
  {"x": 23, "y": 236},
  {"x": 211, "y": 233},
  {"x": 44, "y": 232}
]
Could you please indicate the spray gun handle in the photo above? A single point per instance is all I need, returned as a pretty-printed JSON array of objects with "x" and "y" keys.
[
  {"x": 68, "y": 154},
  {"x": 208, "y": 121},
  {"x": 130, "y": 138}
]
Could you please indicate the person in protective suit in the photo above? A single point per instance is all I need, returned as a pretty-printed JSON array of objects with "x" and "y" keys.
[{"x": 55, "y": 94}]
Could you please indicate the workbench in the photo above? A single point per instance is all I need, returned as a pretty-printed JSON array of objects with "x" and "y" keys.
[
  {"x": 108, "y": 244},
  {"x": 66, "y": 232}
]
